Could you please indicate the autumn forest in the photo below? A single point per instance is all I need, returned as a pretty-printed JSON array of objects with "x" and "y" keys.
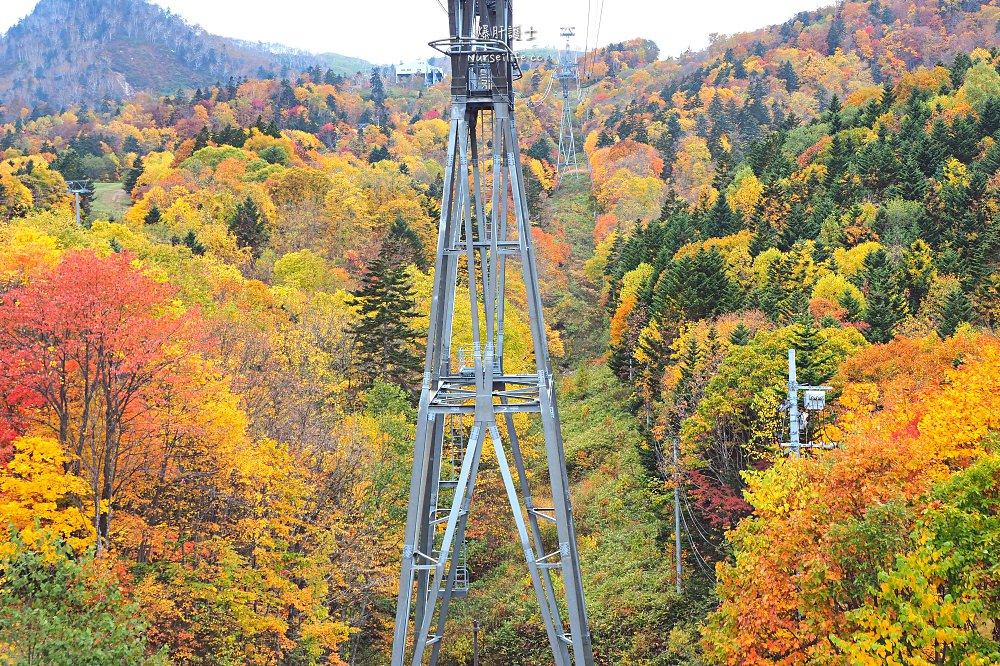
[{"x": 208, "y": 386}]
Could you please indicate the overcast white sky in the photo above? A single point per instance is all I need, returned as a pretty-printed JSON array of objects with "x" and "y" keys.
[{"x": 390, "y": 30}]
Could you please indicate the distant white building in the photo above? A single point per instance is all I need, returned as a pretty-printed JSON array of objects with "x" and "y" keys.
[{"x": 406, "y": 72}]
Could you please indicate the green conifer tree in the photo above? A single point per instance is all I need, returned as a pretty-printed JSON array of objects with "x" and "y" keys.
[
  {"x": 248, "y": 226},
  {"x": 694, "y": 287},
  {"x": 385, "y": 340},
  {"x": 202, "y": 138},
  {"x": 955, "y": 311},
  {"x": 132, "y": 175},
  {"x": 852, "y": 305},
  {"x": 833, "y": 115},
  {"x": 192, "y": 243},
  {"x": 886, "y": 306},
  {"x": 721, "y": 220},
  {"x": 740, "y": 336},
  {"x": 153, "y": 216}
]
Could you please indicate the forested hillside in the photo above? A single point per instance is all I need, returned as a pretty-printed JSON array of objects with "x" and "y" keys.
[
  {"x": 207, "y": 395},
  {"x": 88, "y": 51}
]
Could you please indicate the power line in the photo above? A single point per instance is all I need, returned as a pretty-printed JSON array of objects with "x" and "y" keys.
[
  {"x": 698, "y": 558},
  {"x": 597, "y": 37},
  {"x": 701, "y": 531}
]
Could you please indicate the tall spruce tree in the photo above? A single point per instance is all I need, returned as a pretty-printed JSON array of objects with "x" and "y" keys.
[
  {"x": 247, "y": 225},
  {"x": 153, "y": 216},
  {"x": 378, "y": 99},
  {"x": 740, "y": 336},
  {"x": 385, "y": 340},
  {"x": 132, "y": 175},
  {"x": 886, "y": 306},
  {"x": 694, "y": 287},
  {"x": 812, "y": 358},
  {"x": 720, "y": 220},
  {"x": 955, "y": 311}
]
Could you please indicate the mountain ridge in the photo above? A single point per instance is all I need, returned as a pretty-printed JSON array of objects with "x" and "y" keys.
[{"x": 85, "y": 51}]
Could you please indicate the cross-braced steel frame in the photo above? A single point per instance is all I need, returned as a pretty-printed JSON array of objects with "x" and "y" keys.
[
  {"x": 484, "y": 232},
  {"x": 566, "y": 162}
]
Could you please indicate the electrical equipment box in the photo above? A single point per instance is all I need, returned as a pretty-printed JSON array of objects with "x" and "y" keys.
[{"x": 815, "y": 400}]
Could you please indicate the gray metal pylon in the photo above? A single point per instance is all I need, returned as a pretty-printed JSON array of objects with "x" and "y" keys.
[
  {"x": 484, "y": 229},
  {"x": 568, "y": 76}
]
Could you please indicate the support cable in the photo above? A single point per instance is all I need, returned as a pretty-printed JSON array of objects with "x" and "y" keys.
[
  {"x": 698, "y": 558},
  {"x": 701, "y": 531},
  {"x": 597, "y": 37}
]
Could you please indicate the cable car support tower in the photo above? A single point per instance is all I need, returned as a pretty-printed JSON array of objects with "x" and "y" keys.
[
  {"x": 469, "y": 396},
  {"x": 568, "y": 77}
]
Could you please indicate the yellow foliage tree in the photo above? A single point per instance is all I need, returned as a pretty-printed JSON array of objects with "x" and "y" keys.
[{"x": 37, "y": 496}]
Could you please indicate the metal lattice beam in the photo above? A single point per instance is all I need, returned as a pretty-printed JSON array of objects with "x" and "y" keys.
[
  {"x": 569, "y": 77},
  {"x": 484, "y": 232}
]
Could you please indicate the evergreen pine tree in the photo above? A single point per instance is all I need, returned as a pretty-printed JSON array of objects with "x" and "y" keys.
[
  {"x": 833, "y": 115},
  {"x": 202, "y": 138},
  {"x": 955, "y": 311},
  {"x": 132, "y": 175},
  {"x": 912, "y": 184},
  {"x": 799, "y": 226},
  {"x": 795, "y": 308},
  {"x": 886, "y": 305},
  {"x": 679, "y": 231},
  {"x": 888, "y": 98},
  {"x": 787, "y": 73},
  {"x": 964, "y": 139},
  {"x": 541, "y": 149},
  {"x": 130, "y": 145},
  {"x": 962, "y": 64},
  {"x": 835, "y": 35},
  {"x": 384, "y": 335},
  {"x": 378, "y": 99},
  {"x": 763, "y": 239},
  {"x": 247, "y": 225},
  {"x": 154, "y": 215},
  {"x": 989, "y": 117},
  {"x": 811, "y": 355},
  {"x": 723, "y": 170},
  {"x": 740, "y": 336},
  {"x": 721, "y": 220},
  {"x": 852, "y": 305},
  {"x": 379, "y": 154},
  {"x": 840, "y": 156},
  {"x": 694, "y": 287},
  {"x": 192, "y": 243}
]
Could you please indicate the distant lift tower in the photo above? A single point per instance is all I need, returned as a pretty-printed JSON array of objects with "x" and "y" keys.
[
  {"x": 569, "y": 78},
  {"x": 470, "y": 396}
]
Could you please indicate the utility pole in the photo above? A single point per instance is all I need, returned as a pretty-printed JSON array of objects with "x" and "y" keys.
[
  {"x": 475, "y": 643},
  {"x": 76, "y": 188},
  {"x": 677, "y": 516},
  {"x": 793, "y": 406},
  {"x": 815, "y": 400},
  {"x": 484, "y": 231}
]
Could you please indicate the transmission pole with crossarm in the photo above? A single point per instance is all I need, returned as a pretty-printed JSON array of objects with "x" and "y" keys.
[{"x": 469, "y": 396}]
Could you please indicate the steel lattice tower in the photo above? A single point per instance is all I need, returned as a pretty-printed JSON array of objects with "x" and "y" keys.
[
  {"x": 568, "y": 77},
  {"x": 467, "y": 397}
]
